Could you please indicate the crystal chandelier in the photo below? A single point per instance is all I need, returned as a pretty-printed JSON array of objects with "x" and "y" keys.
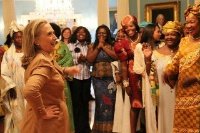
[{"x": 54, "y": 10}]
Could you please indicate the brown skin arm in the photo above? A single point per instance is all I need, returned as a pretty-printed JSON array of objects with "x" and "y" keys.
[
  {"x": 110, "y": 52},
  {"x": 92, "y": 54},
  {"x": 147, "y": 51},
  {"x": 118, "y": 76},
  {"x": 189, "y": 81},
  {"x": 167, "y": 79},
  {"x": 125, "y": 76}
]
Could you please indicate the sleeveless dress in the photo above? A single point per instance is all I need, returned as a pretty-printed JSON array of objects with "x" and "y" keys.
[{"x": 105, "y": 93}]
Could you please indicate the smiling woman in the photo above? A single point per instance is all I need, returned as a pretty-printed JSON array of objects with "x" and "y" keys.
[
  {"x": 44, "y": 88},
  {"x": 47, "y": 39},
  {"x": 183, "y": 72},
  {"x": 80, "y": 85},
  {"x": 101, "y": 54}
]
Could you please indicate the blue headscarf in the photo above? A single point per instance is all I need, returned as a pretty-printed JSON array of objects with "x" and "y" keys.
[{"x": 144, "y": 24}]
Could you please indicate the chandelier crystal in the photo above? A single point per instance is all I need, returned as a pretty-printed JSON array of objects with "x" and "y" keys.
[{"x": 54, "y": 10}]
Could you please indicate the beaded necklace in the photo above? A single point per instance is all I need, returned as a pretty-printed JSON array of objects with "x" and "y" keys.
[{"x": 133, "y": 43}]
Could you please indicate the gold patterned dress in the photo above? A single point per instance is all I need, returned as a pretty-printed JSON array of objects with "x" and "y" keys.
[{"x": 185, "y": 65}]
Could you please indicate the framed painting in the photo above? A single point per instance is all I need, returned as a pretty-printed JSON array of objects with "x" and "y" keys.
[
  {"x": 171, "y": 11},
  {"x": 113, "y": 22}
]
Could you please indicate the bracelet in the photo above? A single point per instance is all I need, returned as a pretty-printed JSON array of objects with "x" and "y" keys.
[
  {"x": 125, "y": 83},
  {"x": 116, "y": 72},
  {"x": 148, "y": 62}
]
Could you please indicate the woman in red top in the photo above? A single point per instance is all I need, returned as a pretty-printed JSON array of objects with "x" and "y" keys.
[{"x": 131, "y": 81}]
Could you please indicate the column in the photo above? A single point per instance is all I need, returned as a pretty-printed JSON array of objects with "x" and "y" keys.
[
  {"x": 103, "y": 12},
  {"x": 196, "y": 1},
  {"x": 122, "y": 11},
  {"x": 138, "y": 10},
  {"x": 8, "y": 14}
]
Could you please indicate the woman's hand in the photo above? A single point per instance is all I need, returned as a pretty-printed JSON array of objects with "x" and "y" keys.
[
  {"x": 52, "y": 112},
  {"x": 166, "y": 79},
  {"x": 189, "y": 81},
  {"x": 128, "y": 91},
  {"x": 81, "y": 58},
  {"x": 101, "y": 43},
  {"x": 118, "y": 78},
  {"x": 13, "y": 93},
  {"x": 147, "y": 51},
  {"x": 72, "y": 70}
]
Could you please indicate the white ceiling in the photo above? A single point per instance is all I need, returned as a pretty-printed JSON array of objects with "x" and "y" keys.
[{"x": 112, "y": 3}]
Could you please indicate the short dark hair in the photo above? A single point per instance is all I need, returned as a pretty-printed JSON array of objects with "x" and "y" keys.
[
  {"x": 56, "y": 29},
  {"x": 73, "y": 38}
]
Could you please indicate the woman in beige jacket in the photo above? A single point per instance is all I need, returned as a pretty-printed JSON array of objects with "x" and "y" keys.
[{"x": 46, "y": 110}]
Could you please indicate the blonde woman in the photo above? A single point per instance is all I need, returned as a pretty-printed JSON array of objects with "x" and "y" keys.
[{"x": 46, "y": 110}]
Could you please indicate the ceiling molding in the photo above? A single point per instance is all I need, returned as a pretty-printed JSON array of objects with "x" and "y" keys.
[{"x": 22, "y": 0}]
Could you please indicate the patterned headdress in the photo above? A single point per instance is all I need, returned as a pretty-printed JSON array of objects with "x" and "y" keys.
[
  {"x": 127, "y": 19},
  {"x": 14, "y": 27},
  {"x": 192, "y": 9},
  {"x": 173, "y": 26}
]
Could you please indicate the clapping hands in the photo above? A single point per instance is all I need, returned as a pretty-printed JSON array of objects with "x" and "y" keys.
[{"x": 82, "y": 58}]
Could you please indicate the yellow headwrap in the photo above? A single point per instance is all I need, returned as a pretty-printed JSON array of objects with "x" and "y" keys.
[
  {"x": 14, "y": 27},
  {"x": 173, "y": 26},
  {"x": 192, "y": 9}
]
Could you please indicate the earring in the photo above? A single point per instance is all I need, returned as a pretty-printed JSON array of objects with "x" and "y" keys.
[{"x": 37, "y": 46}]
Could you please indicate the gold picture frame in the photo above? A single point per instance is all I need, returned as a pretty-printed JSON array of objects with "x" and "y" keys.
[{"x": 171, "y": 11}]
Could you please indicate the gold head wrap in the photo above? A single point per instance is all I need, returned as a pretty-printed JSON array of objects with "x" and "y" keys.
[
  {"x": 192, "y": 9},
  {"x": 127, "y": 19},
  {"x": 14, "y": 27},
  {"x": 173, "y": 26}
]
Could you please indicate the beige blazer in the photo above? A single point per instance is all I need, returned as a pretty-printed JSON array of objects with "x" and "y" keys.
[{"x": 44, "y": 87}]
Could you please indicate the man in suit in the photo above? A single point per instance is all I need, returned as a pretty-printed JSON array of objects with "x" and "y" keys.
[
  {"x": 114, "y": 26},
  {"x": 160, "y": 22}
]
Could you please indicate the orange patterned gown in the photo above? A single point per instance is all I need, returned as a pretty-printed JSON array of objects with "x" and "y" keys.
[
  {"x": 185, "y": 66},
  {"x": 125, "y": 52}
]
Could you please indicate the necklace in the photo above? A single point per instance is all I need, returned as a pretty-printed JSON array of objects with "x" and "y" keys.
[
  {"x": 18, "y": 50},
  {"x": 197, "y": 38},
  {"x": 135, "y": 40},
  {"x": 172, "y": 50}
]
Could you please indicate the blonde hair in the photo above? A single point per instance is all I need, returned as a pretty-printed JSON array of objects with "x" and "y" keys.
[{"x": 29, "y": 47}]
